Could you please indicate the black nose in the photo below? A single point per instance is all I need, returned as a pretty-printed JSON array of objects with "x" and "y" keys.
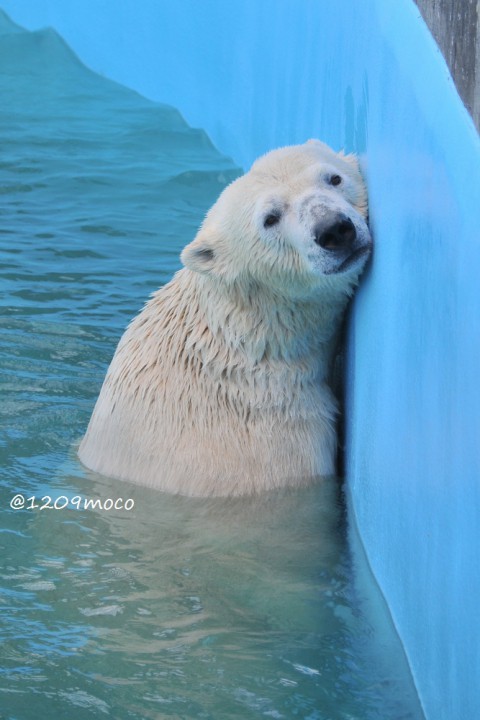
[{"x": 339, "y": 236}]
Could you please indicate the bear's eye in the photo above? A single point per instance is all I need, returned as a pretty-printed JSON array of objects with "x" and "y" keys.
[
  {"x": 335, "y": 180},
  {"x": 271, "y": 219}
]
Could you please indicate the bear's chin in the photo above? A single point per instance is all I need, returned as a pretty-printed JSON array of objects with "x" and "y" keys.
[{"x": 353, "y": 263}]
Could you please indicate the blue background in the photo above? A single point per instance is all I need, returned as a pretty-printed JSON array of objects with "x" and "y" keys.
[{"x": 365, "y": 76}]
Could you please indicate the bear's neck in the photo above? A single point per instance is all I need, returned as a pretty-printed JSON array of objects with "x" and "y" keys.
[{"x": 260, "y": 326}]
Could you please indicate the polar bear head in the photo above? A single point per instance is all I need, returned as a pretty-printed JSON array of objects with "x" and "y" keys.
[{"x": 295, "y": 222}]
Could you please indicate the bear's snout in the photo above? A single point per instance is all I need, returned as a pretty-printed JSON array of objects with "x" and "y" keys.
[{"x": 340, "y": 235}]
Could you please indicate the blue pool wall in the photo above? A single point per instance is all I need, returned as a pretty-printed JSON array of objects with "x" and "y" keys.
[{"x": 364, "y": 76}]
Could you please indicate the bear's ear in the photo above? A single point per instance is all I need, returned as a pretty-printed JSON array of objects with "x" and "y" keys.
[{"x": 199, "y": 256}]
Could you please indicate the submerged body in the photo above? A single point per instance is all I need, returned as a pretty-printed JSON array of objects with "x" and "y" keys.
[{"x": 220, "y": 386}]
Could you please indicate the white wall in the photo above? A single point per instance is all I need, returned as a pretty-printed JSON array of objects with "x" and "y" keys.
[{"x": 366, "y": 76}]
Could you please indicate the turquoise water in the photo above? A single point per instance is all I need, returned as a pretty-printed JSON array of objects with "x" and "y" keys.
[{"x": 175, "y": 608}]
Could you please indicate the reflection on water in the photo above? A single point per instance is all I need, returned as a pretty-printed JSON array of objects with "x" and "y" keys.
[
  {"x": 179, "y": 608},
  {"x": 191, "y": 608}
]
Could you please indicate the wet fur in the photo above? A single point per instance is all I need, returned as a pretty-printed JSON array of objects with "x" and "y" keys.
[{"x": 221, "y": 385}]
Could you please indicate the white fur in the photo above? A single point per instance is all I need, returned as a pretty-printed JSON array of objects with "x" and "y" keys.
[{"x": 220, "y": 385}]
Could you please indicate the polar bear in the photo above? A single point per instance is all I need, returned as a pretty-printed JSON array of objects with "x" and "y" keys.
[{"x": 220, "y": 386}]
